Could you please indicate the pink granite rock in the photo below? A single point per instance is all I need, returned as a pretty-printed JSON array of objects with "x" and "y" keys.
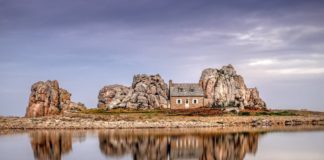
[
  {"x": 46, "y": 98},
  {"x": 224, "y": 88},
  {"x": 146, "y": 92}
]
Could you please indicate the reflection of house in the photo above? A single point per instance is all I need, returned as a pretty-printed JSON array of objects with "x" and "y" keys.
[
  {"x": 186, "y": 147},
  {"x": 185, "y": 95},
  {"x": 232, "y": 146}
]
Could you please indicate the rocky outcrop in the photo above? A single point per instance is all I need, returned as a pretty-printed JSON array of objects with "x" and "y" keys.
[
  {"x": 65, "y": 98},
  {"x": 224, "y": 88},
  {"x": 146, "y": 92},
  {"x": 44, "y": 99},
  {"x": 112, "y": 96},
  {"x": 67, "y": 105},
  {"x": 47, "y": 98}
]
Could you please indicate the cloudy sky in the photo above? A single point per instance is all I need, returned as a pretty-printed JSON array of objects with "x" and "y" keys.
[{"x": 277, "y": 46}]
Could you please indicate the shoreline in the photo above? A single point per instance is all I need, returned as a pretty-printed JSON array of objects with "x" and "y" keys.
[
  {"x": 176, "y": 131},
  {"x": 133, "y": 121}
]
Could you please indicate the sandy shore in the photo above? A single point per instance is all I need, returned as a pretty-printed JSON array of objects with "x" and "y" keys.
[{"x": 86, "y": 121}]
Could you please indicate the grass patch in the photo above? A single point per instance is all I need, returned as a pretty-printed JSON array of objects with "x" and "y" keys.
[
  {"x": 94, "y": 111},
  {"x": 244, "y": 113},
  {"x": 276, "y": 113},
  {"x": 183, "y": 112},
  {"x": 284, "y": 113},
  {"x": 120, "y": 111}
]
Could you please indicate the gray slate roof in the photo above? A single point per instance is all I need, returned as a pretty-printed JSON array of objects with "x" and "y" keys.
[{"x": 186, "y": 90}]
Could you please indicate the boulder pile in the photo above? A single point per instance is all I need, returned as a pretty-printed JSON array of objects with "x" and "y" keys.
[
  {"x": 113, "y": 96},
  {"x": 224, "y": 88},
  {"x": 46, "y": 98},
  {"x": 146, "y": 92}
]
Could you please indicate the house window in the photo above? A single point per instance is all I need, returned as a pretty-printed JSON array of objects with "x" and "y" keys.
[
  {"x": 180, "y": 89},
  {"x": 192, "y": 90},
  {"x": 178, "y": 101},
  {"x": 195, "y": 101}
]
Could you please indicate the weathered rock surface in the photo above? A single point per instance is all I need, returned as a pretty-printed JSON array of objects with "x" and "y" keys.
[
  {"x": 146, "y": 92},
  {"x": 66, "y": 103},
  {"x": 224, "y": 88},
  {"x": 112, "y": 96},
  {"x": 47, "y": 98},
  {"x": 44, "y": 99}
]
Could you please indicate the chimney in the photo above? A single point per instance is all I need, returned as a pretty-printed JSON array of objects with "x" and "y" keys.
[{"x": 170, "y": 85}]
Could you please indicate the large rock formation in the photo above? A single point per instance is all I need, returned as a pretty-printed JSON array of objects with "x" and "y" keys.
[
  {"x": 112, "y": 96},
  {"x": 146, "y": 92},
  {"x": 47, "y": 98},
  {"x": 224, "y": 88}
]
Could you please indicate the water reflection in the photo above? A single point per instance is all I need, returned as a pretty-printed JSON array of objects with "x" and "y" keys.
[
  {"x": 53, "y": 144},
  {"x": 147, "y": 145},
  {"x": 50, "y": 145},
  {"x": 205, "y": 147},
  {"x": 141, "y": 147}
]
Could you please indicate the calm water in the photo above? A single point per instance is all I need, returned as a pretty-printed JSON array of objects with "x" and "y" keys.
[{"x": 161, "y": 144}]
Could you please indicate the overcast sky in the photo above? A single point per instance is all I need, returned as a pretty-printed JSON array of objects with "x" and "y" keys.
[{"x": 277, "y": 46}]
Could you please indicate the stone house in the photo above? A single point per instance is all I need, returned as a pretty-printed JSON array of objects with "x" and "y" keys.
[{"x": 185, "y": 95}]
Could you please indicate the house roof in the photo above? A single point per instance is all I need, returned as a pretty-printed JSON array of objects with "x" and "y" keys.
[{"x": 186, "y": 89}]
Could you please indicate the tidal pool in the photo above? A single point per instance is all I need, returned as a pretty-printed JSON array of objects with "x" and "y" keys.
[{"x": 146, "y": 144}]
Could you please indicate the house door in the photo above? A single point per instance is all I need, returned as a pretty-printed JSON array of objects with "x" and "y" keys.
[{"x": 187, "y": 103}]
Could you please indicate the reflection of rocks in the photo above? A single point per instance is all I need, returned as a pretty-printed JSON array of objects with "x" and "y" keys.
[
  {"x": 50, "y": 144},
  {"x": 229, "y": 146},
  {"x": 46, "y": 98},
  {"x": 141, "y": 147},
  {"x": 232, "y": 146}
]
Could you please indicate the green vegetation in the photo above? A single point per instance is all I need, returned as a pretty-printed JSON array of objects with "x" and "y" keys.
[
  {"x": 120, "y": 111},
  {"x": 94, "y": 111},
  {"x": 276, "y": 113},
  {"x": 267, "y": 113},
  {"x": 154, "y": 112},
  {"x": 186, "y": 112},
  {"x": 244, "y": 113}
]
